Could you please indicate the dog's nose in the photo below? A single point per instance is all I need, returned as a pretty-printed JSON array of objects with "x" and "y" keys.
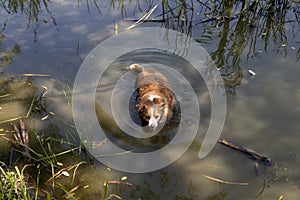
[{"x": 152, "y": 126}]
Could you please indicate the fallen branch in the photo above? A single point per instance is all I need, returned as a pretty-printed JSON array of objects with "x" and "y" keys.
[{"x": 248, "y": 152}]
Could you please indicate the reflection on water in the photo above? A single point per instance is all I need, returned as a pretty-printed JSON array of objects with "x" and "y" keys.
[
  {"x": 240, "y": 35},
  {"x": 6, "y": 55},
  {"x": 31, "y": 9}
]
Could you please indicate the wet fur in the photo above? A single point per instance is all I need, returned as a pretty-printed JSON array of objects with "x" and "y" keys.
[{"x": 149, "y": 84}]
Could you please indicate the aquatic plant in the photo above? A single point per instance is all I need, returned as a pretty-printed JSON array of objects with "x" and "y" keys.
[{"x": 13, "y": 184}]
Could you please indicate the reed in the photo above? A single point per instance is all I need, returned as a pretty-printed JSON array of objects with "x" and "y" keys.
[{"x": 13, "y": 184}]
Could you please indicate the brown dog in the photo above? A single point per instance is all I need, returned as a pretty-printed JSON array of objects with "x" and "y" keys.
[{"x": 155, "y": 98}]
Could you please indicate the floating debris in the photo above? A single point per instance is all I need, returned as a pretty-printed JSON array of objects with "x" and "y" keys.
[
  {"x": 119, "y": 183},
  {"x": 100, "y": 143},
  {"x": 37, "y": 75},
  {"x": 116, "y": 28},
  {"x": 65, "y": 173},
  {"x": 144, "y": 17},
  {"x": 124, "y": 178},
  {"x": 252, "y": 72},
  {"x": 86, "y": 186},
  {"x": 225, "y": 182},
  {"x": 293, "y": 48},
  {"x": 52, "y": 113},
  {"x": 44, "y": 92},
  {"x": 5, "y": 95},
  {"x": 44, "y": 118}
]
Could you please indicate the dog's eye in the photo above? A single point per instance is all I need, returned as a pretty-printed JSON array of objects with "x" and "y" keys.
[{"x": 156, "y": 116}]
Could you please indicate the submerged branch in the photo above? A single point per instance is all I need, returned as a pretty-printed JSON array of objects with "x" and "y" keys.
[{"x": 248, "y": 152}]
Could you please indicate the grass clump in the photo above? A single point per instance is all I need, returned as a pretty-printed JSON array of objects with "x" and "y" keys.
[{"x": 13, "y": 184}]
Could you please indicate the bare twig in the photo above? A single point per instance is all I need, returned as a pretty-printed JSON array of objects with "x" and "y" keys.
[
  {"x": 119, "y": 183},
  {"x": 262, "y": 190},
  {"x": 100, "y": 143},
  {"x": 225, "y": 182},
  {"x": 36, "y": 75},
  {"x": 144, "y": 17}
]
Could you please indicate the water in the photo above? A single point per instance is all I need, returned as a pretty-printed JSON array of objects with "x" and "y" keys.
[{"x": 262, "y": 110}]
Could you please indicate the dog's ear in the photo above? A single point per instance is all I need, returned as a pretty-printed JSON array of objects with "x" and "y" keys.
[{"x": 172, "y": 100}]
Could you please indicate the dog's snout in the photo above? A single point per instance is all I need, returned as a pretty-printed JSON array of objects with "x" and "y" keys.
[{"x": 152, "y": 126}]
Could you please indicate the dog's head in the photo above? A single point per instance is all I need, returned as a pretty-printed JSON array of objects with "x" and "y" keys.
[{"x": 153, "y": 110}]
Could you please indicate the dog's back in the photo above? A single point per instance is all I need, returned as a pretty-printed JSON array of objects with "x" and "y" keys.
[
  {"x": 148, "y": 76},
  {"x": 155, "y": 98}
]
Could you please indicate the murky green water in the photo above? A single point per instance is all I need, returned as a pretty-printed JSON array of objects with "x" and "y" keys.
[{"x": 53, "y": 38}]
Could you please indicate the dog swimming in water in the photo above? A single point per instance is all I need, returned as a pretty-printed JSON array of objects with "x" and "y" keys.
[{"x": 155, "y": 99}]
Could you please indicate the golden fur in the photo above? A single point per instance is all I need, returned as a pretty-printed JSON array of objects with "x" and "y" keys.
[{"x": 155, "y": 97}]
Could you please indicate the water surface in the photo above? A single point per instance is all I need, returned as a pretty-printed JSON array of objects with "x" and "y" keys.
[{"x": 262, "y": 110}]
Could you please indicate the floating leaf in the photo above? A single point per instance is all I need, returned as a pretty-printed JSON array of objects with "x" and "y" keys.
[
  {"x": 65, "y": 173},
  {"x": 251, "y": 72},
  {"x": 44, "y": 118},
  {"x": 124, "y": 178}
]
